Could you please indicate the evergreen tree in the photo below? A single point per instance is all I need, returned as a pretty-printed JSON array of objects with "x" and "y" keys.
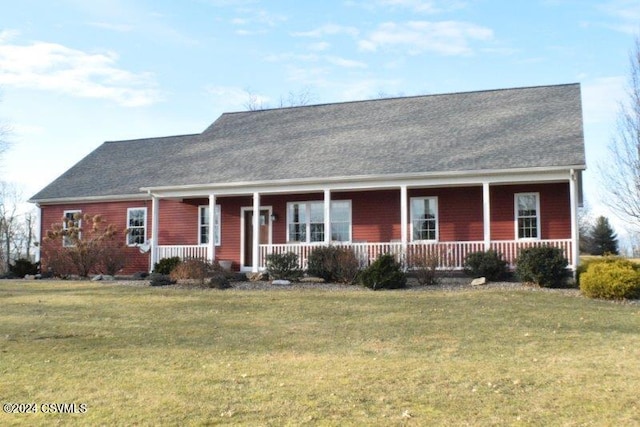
[{"x": 603, "y": 239}]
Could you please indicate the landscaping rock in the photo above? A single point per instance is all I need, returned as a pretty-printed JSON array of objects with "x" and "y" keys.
[
  {"x": 281, "y": 282},
  {"x": 30, "y": 277},
  {"x": 311, "y": 279},
  {"x": 479, "y": 281}
]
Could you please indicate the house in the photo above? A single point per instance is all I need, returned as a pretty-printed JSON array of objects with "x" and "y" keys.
[{"x": 440, "y": 174}]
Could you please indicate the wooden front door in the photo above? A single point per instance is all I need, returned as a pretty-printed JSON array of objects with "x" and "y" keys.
[{"x": 248, "y": 233}]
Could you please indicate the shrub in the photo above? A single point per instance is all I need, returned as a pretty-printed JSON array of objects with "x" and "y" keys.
[
  {"x": 333, "y": 264},
  {"x": 384, "y": 273},
  {"x": 585, "y": 263},
  {"x": 488, "y": 264},
  {"x": 159, "y": 279},
  {"x": 166, "y": 265},
  {"x": 611, "y": 279},
  {"x": 219, "y": 281},
  {"x": 545, "y": 266},
  {"x": 81, "y": 245},
  {"x": 424, "y": 267},
  {"x": 192, "y": 269},
  {"x": 283, "y": 266},
  {"x": 21, "y": 267}
]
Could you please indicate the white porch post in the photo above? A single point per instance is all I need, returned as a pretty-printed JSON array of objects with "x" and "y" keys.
[
  {"x": 155, "y": 214},
  {"x": 486, "y": 215},
  {"x": 404, "y": 213},
  {"x": 575, "y": 237},
  {"x": 211, "y": 252},
  {"x": 327, "y": 216},
  {"x": 256, "y": 233}
]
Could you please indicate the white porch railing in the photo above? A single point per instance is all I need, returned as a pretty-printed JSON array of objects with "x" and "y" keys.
[
  {"x": 182, "y": 251},
  {"x": 450, "y": 254}
]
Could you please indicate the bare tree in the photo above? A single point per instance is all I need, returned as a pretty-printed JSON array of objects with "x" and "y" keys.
[
  {"x": 4, "y": 135},
  {"x": 622, "y": 178},
  {"x": 298, "y": 99},
  {"x": 256, "y": 102},
  {"x": 8, "y": 223}
]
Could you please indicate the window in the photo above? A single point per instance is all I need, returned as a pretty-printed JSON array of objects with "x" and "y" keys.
[
  {"x": 71, "y": 219},
  {"x": 424, "y": 218},
  {"x": 136, "y": 226},
  {"x": 306, "y": 221},
  {"x": 527, "y": 207},
  {"x": 203, "y": 225}
]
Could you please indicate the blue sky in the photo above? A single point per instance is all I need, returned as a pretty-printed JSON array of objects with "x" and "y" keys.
[{"x": 75, "y": 73}]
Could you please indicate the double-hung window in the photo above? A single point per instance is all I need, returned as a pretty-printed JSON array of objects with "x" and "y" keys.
[
  {"x": 203, "y": 225},
  {"x": 306, "y": 221},
  {"x": 527, "y": 209},
  {"x": 136, "y": 226},
  {"x": 424, "y": 218},
  {"x": 72, "y": 220}
]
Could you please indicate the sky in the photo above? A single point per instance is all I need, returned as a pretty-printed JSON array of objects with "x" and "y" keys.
[{"x": 76, "y": 73}]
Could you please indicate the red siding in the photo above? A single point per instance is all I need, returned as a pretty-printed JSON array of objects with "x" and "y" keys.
[
  {"x": 375, "y": 216},
  {"x": 555, "y": 210},
  {"x": 113, "y": 213}
]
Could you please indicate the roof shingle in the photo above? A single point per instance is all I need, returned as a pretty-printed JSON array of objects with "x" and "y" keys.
[{"x": 471, "y": 131}]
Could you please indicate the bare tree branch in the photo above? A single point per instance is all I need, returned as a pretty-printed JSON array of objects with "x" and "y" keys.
[{"x": 622, "y": 178}]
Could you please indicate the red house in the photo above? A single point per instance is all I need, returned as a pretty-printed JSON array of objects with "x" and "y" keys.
[{"x": 451, "y": 174}]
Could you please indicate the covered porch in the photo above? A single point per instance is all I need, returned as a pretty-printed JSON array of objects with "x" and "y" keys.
[{"x": 469, "y": 214}]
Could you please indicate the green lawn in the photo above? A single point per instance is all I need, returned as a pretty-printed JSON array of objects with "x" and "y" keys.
[{"x": 168, "y": 356}]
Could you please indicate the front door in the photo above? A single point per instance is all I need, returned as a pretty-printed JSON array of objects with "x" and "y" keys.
[{"x": 248, "y": 233}]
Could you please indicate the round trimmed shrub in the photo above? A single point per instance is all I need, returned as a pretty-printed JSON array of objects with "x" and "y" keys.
[
  {"x": 283, "y": 266},
  {"x": 166, "y": 265},
  {"x": 488, "y": 264},
  {"x": 616, "y": 280},
  {"x": 384, "y": 273},
  {"x": 333, "y": 264},
  {"x": 545, "y": 266}
]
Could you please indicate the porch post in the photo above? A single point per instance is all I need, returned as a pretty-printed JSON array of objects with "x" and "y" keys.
[
  {"x": 486, "y": 215},
  {"x": 256, "y": 233},
  {"x": 404, "y": 208},
  {"x": 211, "y": 252},
  {"x": 327, "y": 216},
  {"x": 155, "y": 214},
  {"x": 575, "y": 237}
]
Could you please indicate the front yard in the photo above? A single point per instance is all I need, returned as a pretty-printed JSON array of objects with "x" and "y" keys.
[{"x": 137, "y": 355}]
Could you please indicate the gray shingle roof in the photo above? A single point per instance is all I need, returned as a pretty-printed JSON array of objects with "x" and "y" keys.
[{"x": 496, "y": 129}]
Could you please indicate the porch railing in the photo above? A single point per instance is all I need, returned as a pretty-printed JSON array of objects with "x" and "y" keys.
[
  {"x": 450, "y": 254},
  {"x": 182, "y": 251}
]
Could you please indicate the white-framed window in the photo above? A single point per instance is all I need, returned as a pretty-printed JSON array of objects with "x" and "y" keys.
[
  {"x": 71, "y": 219},
  {"x": 136, "y": 226},
  {"x": 203, "y": 225},
  {"x": 424, "y": 218},
  {"x": 305, "y": 221},
  {"x": 527, "y": 213}
]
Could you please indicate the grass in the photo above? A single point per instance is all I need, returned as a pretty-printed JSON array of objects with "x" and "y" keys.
[{"x": 167, "y": 356}]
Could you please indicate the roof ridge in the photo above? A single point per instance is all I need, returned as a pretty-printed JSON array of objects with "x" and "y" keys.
[
  {"x": 152, "y": 138},
  {"x": 324, "y": 104}
]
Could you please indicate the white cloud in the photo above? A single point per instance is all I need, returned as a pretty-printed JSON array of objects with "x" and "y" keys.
[
  {"x": 345, "y": 63},
  {"x": 423, "y": 6},
  {"x": 445, "y": 37},
  {"x": 601, "y": 99},
  {"x": 329, "y": 30},
  {"x": 230, "y": 98},
  {"x": 319, "y": 47},
  {"x": 627, "y": 14},
  {"x": 57, "y": 68}
]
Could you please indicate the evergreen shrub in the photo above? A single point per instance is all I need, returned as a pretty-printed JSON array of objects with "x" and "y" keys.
[
  {"x": 544, "y": 266},
  {"x": 612, "y": 279},
  {"x": 384, "y": 273},
  {"x": 488, "y": 264}
]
